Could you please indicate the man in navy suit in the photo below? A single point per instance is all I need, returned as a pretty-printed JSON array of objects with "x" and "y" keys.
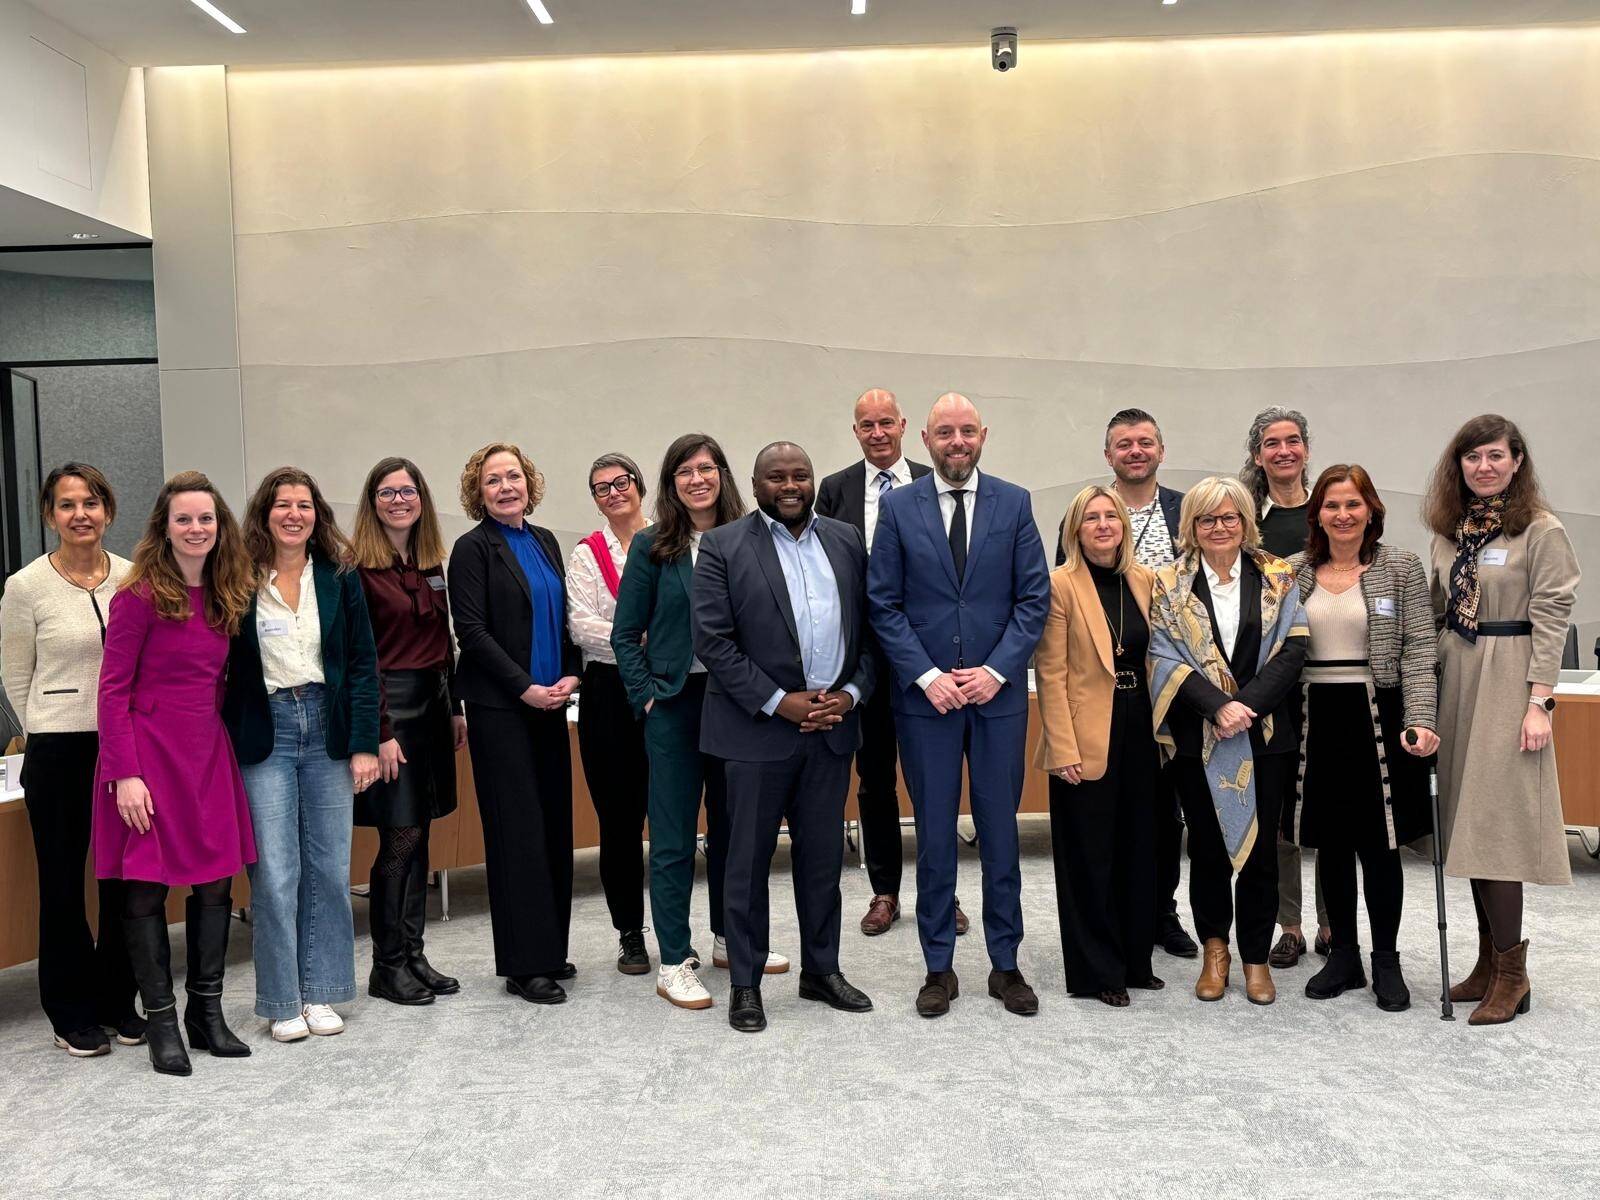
[
  {"x": 958, "y": 591},
  {"x": 780, "y": 623}
]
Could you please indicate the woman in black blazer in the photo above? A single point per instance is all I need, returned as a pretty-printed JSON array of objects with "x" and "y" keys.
[{"x": 516, "y": 670}]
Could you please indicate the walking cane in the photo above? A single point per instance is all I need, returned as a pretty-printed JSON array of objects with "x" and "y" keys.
[{"x": 1446, "y": 1013}]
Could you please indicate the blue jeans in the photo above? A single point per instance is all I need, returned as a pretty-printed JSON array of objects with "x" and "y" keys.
[{"x": 301, "y": 803}]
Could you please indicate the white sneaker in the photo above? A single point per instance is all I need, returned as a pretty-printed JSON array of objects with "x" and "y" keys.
[
  {"x": 678, "y": 984},
  {"x": 777, "y": 964},
  {"x": 322, "y": 1020},
  {"x": 291, "y": 1029}
]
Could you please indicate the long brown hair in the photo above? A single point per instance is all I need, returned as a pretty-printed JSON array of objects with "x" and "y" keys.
[
  {"x": 327, "y": 542},
  {"x": 228, "y": 577},
  {"x": 673, "y": 523},
  {"x": 370, "y": 544},
  {"x": 1353, "y": 473},
  {"x": 1448, "y": 494}
]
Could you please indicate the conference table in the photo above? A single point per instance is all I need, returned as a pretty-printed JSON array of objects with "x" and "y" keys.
[{"x": 457, "y": 840}]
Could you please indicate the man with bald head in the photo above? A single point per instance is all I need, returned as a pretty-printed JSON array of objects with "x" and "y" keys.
[
  {"x": 958, "y": 592},
  {"x": 780, "y": 623},
  {"x": 853, "y": 495}
]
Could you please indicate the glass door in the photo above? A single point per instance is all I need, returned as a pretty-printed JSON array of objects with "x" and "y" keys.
[{"x": 21, "y": 530}]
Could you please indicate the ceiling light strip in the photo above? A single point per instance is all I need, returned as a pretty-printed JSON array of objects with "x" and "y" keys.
[
  {"x": 858, "y": 8},
  {"x": 217, "y": 15},
  {"x": 541, "y": 13}
]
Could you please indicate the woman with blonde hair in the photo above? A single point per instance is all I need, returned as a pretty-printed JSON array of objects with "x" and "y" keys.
[
  {"x": 399, "y": 553},
  {"x": 1099, "y": 747},
  {"x": 170, "y": 807},
  {"x": 1228, "y": 639}
]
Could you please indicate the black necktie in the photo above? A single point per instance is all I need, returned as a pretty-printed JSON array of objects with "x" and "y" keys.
[{"x": 958, "y": 533}]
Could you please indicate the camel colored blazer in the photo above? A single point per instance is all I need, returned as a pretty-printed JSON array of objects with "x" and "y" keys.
[{"x": 1073, "y": 671}]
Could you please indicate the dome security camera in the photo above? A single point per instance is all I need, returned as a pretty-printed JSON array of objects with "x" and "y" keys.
[{"x": 1003, "y": 47}]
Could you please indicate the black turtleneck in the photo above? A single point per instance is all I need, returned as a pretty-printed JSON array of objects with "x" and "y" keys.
[{"x": 1122, "y": 612}]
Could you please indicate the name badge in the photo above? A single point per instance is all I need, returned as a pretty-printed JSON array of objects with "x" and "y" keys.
[
  {"x": 1384, "y": 606},
  {"x": 273, "y": 629},
  {"x": 1494, "y": 558},
  {"x": 436, "y": 582}
]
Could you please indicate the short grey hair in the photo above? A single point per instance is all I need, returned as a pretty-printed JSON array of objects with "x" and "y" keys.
[{"x": 1252, "y": 476}]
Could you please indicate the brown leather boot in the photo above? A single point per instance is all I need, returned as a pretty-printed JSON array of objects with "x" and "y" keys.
[
  {"x": 1258, "y": 985},
  {"x": 1510, "y": 994},
  {"x": 1476, "y": 985},
  {"x": 1214, "y": 964}
]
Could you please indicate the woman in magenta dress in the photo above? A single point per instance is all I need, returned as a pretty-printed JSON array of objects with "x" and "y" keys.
[{"x": 170, "y": 807}]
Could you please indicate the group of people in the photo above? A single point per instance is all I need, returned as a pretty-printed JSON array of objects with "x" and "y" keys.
[{"x": 1249, "y": 660}]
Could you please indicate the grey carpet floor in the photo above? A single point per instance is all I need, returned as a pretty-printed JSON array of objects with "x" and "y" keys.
[{"x": 618, "y": 1094}]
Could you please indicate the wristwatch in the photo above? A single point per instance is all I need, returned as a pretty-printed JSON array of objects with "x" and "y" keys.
[{"x": 1548, "y": 703}]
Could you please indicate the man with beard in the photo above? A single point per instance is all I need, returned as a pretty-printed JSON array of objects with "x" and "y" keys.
[
  {"x": 780, "y": 623},
  {"x": 1134, "y": 452},
  {"x": 959, "y": 591}
]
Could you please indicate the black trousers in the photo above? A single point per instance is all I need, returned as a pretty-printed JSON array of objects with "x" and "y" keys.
[
  {"x": 878, "y": 788},
  {"x": 1169, "y": 843},
  {"x": 1213, "y": 891},
  {"x": 1383, "y": 882},
  {"x": 522, "y": 768},
  {"x": 807, "y": 789},
  {"x": 81, "y": 983},
  {"x": 1102, "y": 835},
  {"x": 611, "y": 744}
]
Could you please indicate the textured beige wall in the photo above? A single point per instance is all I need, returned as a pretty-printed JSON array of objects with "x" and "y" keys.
[{"x": 1391, "y": 232}]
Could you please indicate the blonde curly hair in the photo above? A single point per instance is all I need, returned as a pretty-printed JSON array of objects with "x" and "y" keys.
[{"x": 472, "y": 479}]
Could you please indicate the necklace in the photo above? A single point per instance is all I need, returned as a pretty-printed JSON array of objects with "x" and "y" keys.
[
  {"x": 97, "y": 579},
  {"x": 1121, "y": 624},
  {"x": 1333, "y": 566}
]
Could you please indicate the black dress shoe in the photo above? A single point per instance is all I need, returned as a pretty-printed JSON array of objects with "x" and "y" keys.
[
  {"x": 1012, "y": 990},
  {"x": 745, "y": 1012},
  {"x": 422, "y": 970},
  {"x": 835, "y": 991},
  {"x": 536, "y": 989},
  {"x": 938, "y": 990},
  {"x": 568, "y": 971},
  {"x": 1172, "y": 937},
  {"x": 632, "y": 957}
]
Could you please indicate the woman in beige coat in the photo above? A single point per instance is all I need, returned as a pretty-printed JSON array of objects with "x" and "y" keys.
[
  {"x": 1098, "y": 743},
  {"x": 1504, "y": 579}
]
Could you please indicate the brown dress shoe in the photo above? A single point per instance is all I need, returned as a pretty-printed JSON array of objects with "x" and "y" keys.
[
  {"x": 962, "y": 924},
  {"x": 1214, "y": 963},
  {"x": 1290, "y": 949},
  {"x": 883, "y": 912},
  {"x": 1476, "y": 985},
  {"x": 1510, "y": 994},
  {"x": 938, "y": 990},
  {"x": 1012, "y": 990},
  {"x": 1258, "y": 985}
]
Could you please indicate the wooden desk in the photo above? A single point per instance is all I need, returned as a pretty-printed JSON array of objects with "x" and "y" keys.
[{"x": 1577, "y": 734}]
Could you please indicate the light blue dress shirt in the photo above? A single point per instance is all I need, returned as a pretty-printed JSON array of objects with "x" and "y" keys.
[{"x": 818, "y": 613}]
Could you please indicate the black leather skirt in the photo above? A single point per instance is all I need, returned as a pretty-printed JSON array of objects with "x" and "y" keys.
[{"x": 419, "y": 715}]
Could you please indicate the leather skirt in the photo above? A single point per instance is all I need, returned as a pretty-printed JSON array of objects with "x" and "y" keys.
[{"x": 419, "y": 717}]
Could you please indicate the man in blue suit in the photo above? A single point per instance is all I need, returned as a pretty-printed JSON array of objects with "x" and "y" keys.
[
  {"x": 958, "y": 592},
  {"x": 780, "y": 623}
]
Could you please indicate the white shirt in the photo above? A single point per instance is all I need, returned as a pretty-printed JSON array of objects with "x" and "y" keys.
[
  {"x": 591, "y": 608},
  {"x": 900, "y": 473},
  {"x": 947, "y": 510},
  {"x": 291, "y": 641},
  {"x": 1225, "y": 601}
]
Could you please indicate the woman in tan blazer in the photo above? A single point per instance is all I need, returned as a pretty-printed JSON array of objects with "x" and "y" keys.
[
  {"x": 1504, "y": 582},
  {"x": 1099, "y": 746}
]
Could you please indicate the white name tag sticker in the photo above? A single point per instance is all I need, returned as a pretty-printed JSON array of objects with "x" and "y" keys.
[
  {"x": 273, "y": 628},
  {"x": 1494, "y": 558},
  {"x": 436, "y": 582},
  {"x": 1384, "y": 606}
]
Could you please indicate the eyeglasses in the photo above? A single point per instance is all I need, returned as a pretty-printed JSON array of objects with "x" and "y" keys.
[
  {"x": 621, "y": 484},
  {"x": 704, "y": 471},
  {"x": 1226, "y": 520},
  {"x": 399, "y": 493}
]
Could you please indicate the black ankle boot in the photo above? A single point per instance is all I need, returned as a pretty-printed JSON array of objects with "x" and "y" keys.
[
  {"x": 151, "y": 958},
  {"x": 414, "y": 918},
  {"x": 207, "y": 936},
  {"x": 1339, "y": 974},
  {"x": 1388, "y": 984},
  {"x": 391, "y": 978}
]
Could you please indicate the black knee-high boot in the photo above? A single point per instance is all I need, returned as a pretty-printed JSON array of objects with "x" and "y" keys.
[
  {"x": 207, "y": 936},
  {"x": 416, "y": 918},
  {"x": 151, "y": 958},
  {"x": 391, "y": 979}
]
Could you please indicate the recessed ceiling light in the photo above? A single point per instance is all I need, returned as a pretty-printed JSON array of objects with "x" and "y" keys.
[
  {"x": 86, "y": 237},
  {"x": 217, "y": 15},
  {"x": 858, "y": 8},
  {"x": 541, "y": 13},
  {"x": 1169, "y": 1}
]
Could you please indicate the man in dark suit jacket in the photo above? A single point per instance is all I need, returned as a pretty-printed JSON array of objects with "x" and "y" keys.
[
  {"x": 959, "y": 591},
  {"x": 853, "y": 495},
  {"x": 1134, "y": 452},
  {"x": 780, "y": 623}
]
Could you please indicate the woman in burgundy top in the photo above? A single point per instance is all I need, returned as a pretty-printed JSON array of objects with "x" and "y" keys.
[{"x": 400, "y": 554}]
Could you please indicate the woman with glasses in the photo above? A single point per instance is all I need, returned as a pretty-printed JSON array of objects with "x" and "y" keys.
[
  {"x": 52, "y": 633},
  {"x": 1228, "y": 639},
  {"x": 399, "y": 553},
  {"x": 610, "y": 741},
  {"x": 652, "y": 637}
]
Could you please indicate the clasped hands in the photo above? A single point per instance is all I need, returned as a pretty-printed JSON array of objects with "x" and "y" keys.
[
  {"x": 814, "y": 711},
  {"x": 1233, "y": 718},
  {"x": 961, "y": 687},
  {"x": 552, "y": 697}
]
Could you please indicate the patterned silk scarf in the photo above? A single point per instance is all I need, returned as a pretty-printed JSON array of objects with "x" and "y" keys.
[
  {"x": 1181, "y": 644},
  {"x": 1480, "y": 526}
]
